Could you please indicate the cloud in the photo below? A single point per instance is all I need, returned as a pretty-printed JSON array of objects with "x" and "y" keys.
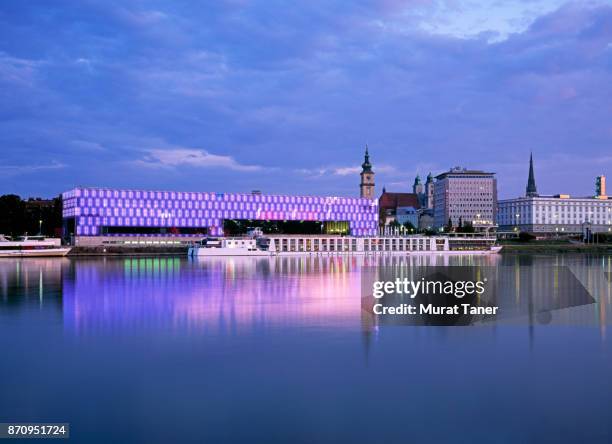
[
  {"x": 352, "y": 170},
  {"x": 17, "y": 70},
  {"x": 17, "y": 170},
  {"x": 140, "y": 18},
  {"x": 428, "y": 85},
  {"x": 86, "y": 145},
  {"x": 177, "y": 157},
  {"x": 347, "y": 171}
]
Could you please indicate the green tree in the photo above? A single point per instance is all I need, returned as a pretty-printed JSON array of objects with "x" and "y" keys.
[
  {"x": 12, "y": 215},
  {"x": 409, "y": 227},
  {"x": 18, "y": 216},
  {"x": 449, "y": 226},
  {"x": 466, "y": 228}
]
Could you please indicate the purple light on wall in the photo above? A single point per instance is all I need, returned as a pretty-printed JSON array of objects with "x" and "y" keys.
[{"x": 135, "y": 208}]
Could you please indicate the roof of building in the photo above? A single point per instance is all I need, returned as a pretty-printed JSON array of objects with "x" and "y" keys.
[
  {"x": 462, "y": 171},
  {"x": 394, "y": 200}
]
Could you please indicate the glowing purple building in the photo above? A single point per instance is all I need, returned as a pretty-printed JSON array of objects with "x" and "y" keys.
[{"x": 110, "y": 212}]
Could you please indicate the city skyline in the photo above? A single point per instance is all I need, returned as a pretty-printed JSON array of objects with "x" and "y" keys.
[{"x": 238, "y": 96}]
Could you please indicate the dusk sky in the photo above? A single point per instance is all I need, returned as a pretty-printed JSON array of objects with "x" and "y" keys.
[{"x": 283, "y": 96}]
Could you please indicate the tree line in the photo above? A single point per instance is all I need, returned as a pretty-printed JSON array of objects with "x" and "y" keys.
[{"x": 31, "y": 216}]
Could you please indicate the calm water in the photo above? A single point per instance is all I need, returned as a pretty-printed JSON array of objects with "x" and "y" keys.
[{"x": 276, "y": 350}]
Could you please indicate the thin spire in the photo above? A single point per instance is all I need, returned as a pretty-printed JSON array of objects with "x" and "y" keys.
[
  {"x": 531, "y": 190},
  {"x": 366, "y": 165}
]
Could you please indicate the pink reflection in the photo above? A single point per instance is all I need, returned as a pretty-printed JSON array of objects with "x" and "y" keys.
[
  {"x": 214, "y": 296},
  {"x": 221, "y": 295}
]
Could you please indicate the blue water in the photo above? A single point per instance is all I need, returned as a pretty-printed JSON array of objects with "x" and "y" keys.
[{"x": 276, "y": 350}]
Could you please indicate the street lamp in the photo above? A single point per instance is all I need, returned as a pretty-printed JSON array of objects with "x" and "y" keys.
[
  {"x": 517, "y": 221},
  {"x": 40, "y": 227}
]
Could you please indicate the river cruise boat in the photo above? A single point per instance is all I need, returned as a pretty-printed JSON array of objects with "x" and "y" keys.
[
  {"x": 409, "y": 245},
  {"x": 337, "y": 245},
  {"x": 31, "y": 246},
  {"x": 230, "y": 247}
]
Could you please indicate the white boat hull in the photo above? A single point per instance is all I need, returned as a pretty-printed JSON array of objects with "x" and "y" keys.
[
  {"x": 214, "y": 252},
  {"x": 339, "y": 246},
  {"x": 492, "y": 250},
  {"x": 47, "y": 252}
]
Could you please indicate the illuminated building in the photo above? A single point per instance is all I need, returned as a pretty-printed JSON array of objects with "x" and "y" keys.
[{"x": 94, "y": 212}]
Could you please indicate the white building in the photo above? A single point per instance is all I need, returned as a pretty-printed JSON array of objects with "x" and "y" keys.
[
  {"x": 466, "y": 195},
  {"x": 559, "y": 214},
  {"x": 556, "y": 215}
]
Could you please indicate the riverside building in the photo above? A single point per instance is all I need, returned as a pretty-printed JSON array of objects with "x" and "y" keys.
[
  {"x": 467, "y": 196},
  {"x": 96, "y": 212},
  {"x": 555, "y": 215}
]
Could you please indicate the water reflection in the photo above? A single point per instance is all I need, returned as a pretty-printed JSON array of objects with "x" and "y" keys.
[
  {"x": 29, "y": 283},
  {"x": 242, "y": 350},
  {"x": 231, "y": 295}
]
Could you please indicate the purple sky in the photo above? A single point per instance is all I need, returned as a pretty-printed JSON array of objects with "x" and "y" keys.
[{"x": 282, "y": 97}]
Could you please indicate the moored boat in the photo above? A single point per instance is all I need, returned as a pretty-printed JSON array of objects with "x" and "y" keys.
[
  {"x": 32, "y": 246},
  {"x": 282, "y": 245},
  {"x": 229, "y": 247}
]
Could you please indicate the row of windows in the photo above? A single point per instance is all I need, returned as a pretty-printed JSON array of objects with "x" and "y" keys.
[
  {"x": 215, "y": 230},
  {"x": 561, "y": 210},
  {"x": 97, "y": 204},
  {"x": 232, "y": 214},
  {"x": 469, "y": 204},
  {"x": 592, "y": 203},
  {"x": 392, "y": 244},
  {"x": 185, "y": 220},
  {"x": 468, "y": 176},
  {"x": 554, "y": 220}
]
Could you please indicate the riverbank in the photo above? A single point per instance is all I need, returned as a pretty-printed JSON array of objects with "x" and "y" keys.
[{"x": 564, "y": 247}]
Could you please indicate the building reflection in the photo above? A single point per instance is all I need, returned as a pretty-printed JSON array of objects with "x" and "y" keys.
[
  {"x": 215, "y": 295},
  {"x": 32, "y": 282},
  {"x": 221, "y": 296},
  {"x": 530, "y": 291}
]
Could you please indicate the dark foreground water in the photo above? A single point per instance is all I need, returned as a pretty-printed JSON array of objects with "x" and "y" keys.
[{"x": 276, "y": 350}]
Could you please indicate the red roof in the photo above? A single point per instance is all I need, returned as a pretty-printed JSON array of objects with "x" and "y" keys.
[{"x": 394, "y": 200}]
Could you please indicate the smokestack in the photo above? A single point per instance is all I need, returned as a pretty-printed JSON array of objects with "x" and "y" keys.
[{"x": 600, "y": 187}]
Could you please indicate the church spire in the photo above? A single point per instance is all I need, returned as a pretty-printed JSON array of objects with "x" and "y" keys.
[
  {"x": 367, "y": 177},
  {"x": 366, "y": 165},
  {"x": 531, "y": 185}
]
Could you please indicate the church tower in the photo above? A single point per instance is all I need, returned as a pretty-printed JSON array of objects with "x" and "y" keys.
[
  {"x": 429, "y": 192},
  {"x": 417, "y": 187},
  {"x": 367, "y": 178},
  {"x": 531, "y": 190}
]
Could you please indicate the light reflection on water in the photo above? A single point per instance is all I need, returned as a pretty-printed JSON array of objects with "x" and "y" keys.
[
  {"x": 215, "y": 295},
  {"x": 255, "y": 349}
]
